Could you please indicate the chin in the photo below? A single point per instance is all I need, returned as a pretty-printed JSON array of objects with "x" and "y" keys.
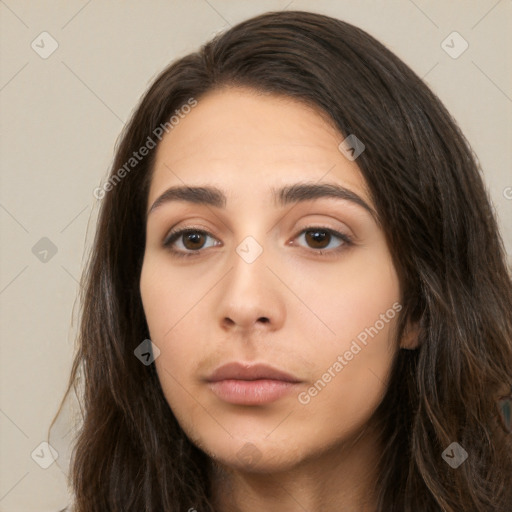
[{"x": 252, "y": 456}]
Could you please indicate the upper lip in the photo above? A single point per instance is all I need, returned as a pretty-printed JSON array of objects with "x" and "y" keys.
[{"x": 248, "y": 371}]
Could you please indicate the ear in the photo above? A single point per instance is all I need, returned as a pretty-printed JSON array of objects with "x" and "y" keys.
[{"x": 409, "y": 339}]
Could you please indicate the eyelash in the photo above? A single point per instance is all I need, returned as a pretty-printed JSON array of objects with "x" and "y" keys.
[{"x": 175, "y": 235}]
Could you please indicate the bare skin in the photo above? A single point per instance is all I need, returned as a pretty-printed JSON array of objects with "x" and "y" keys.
[{"x": 313, "y": 448}]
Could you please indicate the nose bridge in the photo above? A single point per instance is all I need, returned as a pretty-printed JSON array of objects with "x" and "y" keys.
[
  {"x": 249, "y": 277},
  {"x": 250, "y": 291},
  {"x": 250, "y": 231}
]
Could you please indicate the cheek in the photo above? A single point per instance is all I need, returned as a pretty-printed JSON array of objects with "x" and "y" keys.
[
  {"x": 350, "y": 376},
  {"x": 359, "y": 304},
  {"x": 168, "y": 308},
  {"x": 347, "y": 298},
  {"x": 169, "y": 297}
]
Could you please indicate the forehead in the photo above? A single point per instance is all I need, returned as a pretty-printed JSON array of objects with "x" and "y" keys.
[{"x": 244, "y": 140}]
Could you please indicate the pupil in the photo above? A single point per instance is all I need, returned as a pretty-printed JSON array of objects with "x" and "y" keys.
[
  {"x": 194, "y": 238},
  {"x": 318, "y": 239}
]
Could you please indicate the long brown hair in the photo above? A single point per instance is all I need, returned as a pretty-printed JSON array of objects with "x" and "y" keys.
[{"x": 132, "y": 455}]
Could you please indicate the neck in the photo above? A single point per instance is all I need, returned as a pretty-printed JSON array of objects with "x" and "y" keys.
[{"x": 341, "y": 478}]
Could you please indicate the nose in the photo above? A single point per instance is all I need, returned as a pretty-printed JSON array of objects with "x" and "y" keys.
[{"x": 250, "y": 297}]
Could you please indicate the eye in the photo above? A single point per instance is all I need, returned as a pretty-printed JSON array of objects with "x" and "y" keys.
[
  {"x": 321, "y": 238},
  {"x": 192, "y": 240}
]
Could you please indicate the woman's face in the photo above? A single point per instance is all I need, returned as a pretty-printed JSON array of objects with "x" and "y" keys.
[{"x": 269, "y": 274}]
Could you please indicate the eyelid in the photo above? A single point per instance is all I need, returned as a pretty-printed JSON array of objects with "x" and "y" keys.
[{"x": 182, "y": 230}]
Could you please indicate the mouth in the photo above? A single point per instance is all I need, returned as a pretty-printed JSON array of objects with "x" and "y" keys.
[{"x": 250, "y": 384}]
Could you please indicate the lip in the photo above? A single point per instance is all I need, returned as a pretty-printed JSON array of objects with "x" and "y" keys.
[
  {"x": 250, "y": 384},
  {"x": 248, "y": 371}
]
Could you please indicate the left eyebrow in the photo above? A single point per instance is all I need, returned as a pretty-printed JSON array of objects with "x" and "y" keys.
[
  {"x": 299, "y": 192},
  {"x": 295, "y": 193}
]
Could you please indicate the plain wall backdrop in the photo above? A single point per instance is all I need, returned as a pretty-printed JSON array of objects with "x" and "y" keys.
[{"x": 71, "y": 74}]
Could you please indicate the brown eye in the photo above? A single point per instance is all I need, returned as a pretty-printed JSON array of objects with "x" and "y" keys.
[
  {"x": 317, "y": 239},
  {"x": 192, "y": 241},
  {"x": 321, "y": 238}
]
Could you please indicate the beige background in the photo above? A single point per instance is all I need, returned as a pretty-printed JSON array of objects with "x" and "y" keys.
[{"x": 62, "y": 115}]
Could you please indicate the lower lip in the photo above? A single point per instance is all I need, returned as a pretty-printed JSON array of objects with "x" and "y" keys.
[{"x": 251, "y": 392}]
